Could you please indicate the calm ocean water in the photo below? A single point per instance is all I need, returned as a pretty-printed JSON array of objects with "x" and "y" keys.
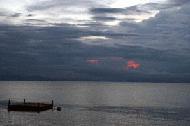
[{"x": 99, "y": 104}]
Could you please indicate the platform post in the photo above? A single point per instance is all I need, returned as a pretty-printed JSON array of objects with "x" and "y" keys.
[
  {"x": 52, "y": 103},
  {"x": 9, "y": 103}
]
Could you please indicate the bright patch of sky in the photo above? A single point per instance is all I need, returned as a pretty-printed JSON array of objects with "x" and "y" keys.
[
  {"x": 67, "y": 12},
  {"x": 93, "y": 40}
]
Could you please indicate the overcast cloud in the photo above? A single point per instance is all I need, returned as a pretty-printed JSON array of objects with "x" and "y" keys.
[{"x": 108, "y": 40}]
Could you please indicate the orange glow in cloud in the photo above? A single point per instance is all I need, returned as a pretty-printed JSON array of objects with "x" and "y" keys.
[
  {"x": 93, "y": 61},
  {"x": 133, "y": 64}
]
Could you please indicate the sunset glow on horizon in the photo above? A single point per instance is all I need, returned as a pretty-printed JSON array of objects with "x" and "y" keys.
[{"x": 131, "y": 64}]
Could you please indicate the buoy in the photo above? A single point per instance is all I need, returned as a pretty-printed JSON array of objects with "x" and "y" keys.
[{"x": 58, "y": 108}]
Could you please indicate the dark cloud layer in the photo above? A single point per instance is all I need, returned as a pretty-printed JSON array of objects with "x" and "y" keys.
[
  {"x": 51, "y": 54},
  {"x": 159, "y": 45}
]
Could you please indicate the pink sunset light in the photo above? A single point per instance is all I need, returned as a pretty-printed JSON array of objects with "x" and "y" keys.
[
  {"x": 132, "y": 65},
  {"x": 93, "y": 61}
]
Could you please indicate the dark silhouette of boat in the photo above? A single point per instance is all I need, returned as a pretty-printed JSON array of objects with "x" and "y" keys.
[{"x": 30, "y": 106}]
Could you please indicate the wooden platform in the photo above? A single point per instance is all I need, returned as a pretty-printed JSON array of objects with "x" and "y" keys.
[{"x": 29, "y": 106}]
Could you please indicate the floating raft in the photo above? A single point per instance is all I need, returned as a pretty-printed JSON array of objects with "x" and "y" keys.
[{"x": 29, "y": 106}]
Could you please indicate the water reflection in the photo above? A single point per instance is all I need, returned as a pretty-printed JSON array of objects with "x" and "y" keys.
[{"x": 99, "y": 104}]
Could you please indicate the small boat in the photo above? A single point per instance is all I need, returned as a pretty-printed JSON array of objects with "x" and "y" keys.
[
  {"x": 30, "y": 106},
  {"x": 58, "y": 108}
]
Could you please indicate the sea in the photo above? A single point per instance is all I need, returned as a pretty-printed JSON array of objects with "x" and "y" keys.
[{"x": 98, "y": 103}]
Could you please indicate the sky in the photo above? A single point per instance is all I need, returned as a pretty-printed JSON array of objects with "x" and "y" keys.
[{"x": 95, "y": 40}]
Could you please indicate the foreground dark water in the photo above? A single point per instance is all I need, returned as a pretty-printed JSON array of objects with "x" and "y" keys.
[{"x": 99, "y": 104}]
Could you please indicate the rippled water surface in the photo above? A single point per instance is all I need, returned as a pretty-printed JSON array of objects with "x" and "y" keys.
[{"x": 98, "y": 104}]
